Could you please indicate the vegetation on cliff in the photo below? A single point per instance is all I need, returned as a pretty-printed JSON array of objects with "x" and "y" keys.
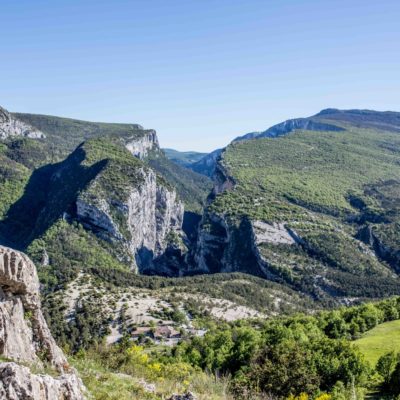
[{"x": 328, "y": 188}]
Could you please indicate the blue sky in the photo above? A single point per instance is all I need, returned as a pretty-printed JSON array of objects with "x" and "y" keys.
[{"x": 199, "y": 72}]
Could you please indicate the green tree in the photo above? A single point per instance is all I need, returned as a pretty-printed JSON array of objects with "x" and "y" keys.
[{"x": 386, "y": 365}]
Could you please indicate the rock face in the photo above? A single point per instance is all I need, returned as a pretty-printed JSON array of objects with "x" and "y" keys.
[
  {"x": 275, "y": 233},
  {"x": 11, "y": 126},
  {"x": 391, "y": 255},
  {"x": 289, "y": 126},
  {"x": 145, "y": 223},
  {"x": 17, "y": 382},
  {"x": 25, "y": 337},
  {"x": 227, "y": 244},
  {"x": 140, "y": 147},
  {"x": 230, "y": 245},
  {"x": 298, "y": 123},
  {"x": 222, "y": 180}
]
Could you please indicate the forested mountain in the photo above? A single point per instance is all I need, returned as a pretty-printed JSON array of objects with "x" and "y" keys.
[
  {"x": 299, "y": 218},
  {"x": 317, "y": 209}
]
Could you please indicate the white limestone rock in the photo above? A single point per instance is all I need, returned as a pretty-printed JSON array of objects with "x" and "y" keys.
[
  {"x": 149, "y": 214},
  {"x": 18, "y": 382},
  {"x": 275, "y": 233},
  {"x": 11, "y": 126},
  {"x": 26, "y": 338},
  {"x": 140, "y": 147}
]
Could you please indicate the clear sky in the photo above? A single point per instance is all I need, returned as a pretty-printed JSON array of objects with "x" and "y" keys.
[{"x": 199, "y": 72}]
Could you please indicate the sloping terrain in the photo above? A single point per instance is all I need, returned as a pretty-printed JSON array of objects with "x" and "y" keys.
[
  {"x": 307, "y": 215},
  {"x": 125, "y": 207},
  {"x": 193, "y": 188},
  {"x": 63, "y": 135},
  {"x": 330, "y": 119},
  {"x": 112, "y": 303},
  {"x": 103, "y": 212},
  {"x": 206, "y": 165},
  {"x": 315, "y": 209},
  {"x": 102, "y": 206},
  {"x": 379, "y": 341}
]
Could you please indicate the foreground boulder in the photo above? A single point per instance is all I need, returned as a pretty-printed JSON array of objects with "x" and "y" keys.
[
  {"x": 26, "y": 339},
  {"x": 17, "y": 382}
]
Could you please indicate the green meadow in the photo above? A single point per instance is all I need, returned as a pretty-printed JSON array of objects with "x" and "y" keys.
[{"x": 380, "y": 340}]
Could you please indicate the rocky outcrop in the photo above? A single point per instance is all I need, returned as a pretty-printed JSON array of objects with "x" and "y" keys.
[
  {"x": 11, "y": 126},
  {"x": 140, "y": 147},
  {"x": 25, "y": 337},
  {"x": 144, "y": 223},
  {"x": 227, "y": 244},
  {"x": 217, "y": 238},
  {"x": 286, "y": 127},
  {"x": 97, "y": 216},
  {"x": 17, "y": 383},
  {"x": 383, "y": 250},
  {"x": 275, "y": 233},
  {"x": 290, "y": 125},
  {"x": 232, "y": 244},
  {"x": 222, "y": 180}
]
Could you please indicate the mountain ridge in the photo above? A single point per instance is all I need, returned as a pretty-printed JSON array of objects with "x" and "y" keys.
[
  {"x": 224, "y": 222},
  {"x": 316, "y": 122},
  {"x": 292, "y": 209}
]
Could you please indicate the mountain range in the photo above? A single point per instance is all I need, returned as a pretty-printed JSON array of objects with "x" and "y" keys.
[{"x": 303, "y": 216}]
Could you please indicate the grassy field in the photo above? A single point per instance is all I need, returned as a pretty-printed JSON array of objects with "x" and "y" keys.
[{"x": 380, "y": 340}]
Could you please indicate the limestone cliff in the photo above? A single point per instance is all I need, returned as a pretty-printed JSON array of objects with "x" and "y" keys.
[
  {"x": 11, "y": 126},
  {"x": 228, "y": 244},
  {"x": 141, "y": 223},
  {"x": 232, "y": 244},
  {"x": 384, "y": 245},
  {"x": 130, "y": 205},
  {"x": 140, "y": 147},
  {"x": 25, "y": 340},
  {"x": 225, "y": 244}
]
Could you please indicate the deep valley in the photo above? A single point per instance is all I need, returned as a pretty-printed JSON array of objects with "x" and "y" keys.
[{"x": 177, "y": 266}]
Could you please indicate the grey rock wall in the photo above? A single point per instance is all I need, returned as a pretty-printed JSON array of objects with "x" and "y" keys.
[
  {"x": 142, "y": 223},
  {"x": 25, "y": 337}
]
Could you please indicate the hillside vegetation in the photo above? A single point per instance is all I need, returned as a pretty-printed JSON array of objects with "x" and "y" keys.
[
  {"x": 298, "y": 223},
  {"x": 192, "y": 187},
  {"x": 300, "y": 357},
  {"x": 338, "y": 191},
  {"x": 297, "y": 358},
  {"x": 63, "y": 135}
]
